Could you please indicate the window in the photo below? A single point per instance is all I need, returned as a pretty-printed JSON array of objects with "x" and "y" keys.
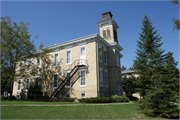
[
  {"x": 134, "y": 75},
  {"x": 55, "y": 60},
  {"x": 38, "y": 61},
  {"x": 68, "y": 81},
  {"x": 20, "y": 66},
  {"x": 105, "y": 57},
  {"x": 104, "y": 33},
  {"x": 68, "y": 95},
  {"x": 83, "y": 78},
  {"x": 82, "y": 50},
  {"x": 19, "y": 85},
  {"x": 108, "y": 32},
  {"x": 29, "y": 66},
  {"x": 100, "y": 54},
  {"x": 68, "y": 57},
  {"x": 27, "y": 83},
  {"x": 55, "y": 80},
  {"x": 106, "y": 78},
  {"x": 117, "y": 59},
  {"x": 101, "y": 77},
  {"x": 83, "y": 95}
]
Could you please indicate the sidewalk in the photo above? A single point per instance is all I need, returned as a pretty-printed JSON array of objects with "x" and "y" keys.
[{"x": 66, "y": 104}]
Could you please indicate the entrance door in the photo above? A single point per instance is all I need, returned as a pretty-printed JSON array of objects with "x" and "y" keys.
[{"x": 83, "y": 55}]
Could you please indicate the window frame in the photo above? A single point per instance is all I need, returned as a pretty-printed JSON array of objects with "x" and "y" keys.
[
  {"x": 67, "y": 56},
  {"x": 84, "y": 95},
  {"x": 100, "y": 76},
  {"x": 68, "y": 71},
  {"x": 105, "y": 56},
  {"x": 27, "y": 83},
  {"x": 106, "y": 78},
  {"x": 55, "y": 64},
  {"x": 82, "y": 70},
  {"x": 100, "y": 53},
  {"x": 108, "y": 31},
  {"x": 55, "y": 73},
  {"x": 68, "y": 94},
  {"x": 104, "y": 32},
  {"x": 20, "y": 66},
  {"x": 19, "y": 85},
  {"x": 38, "y": 63},
  {"x": 29, "y": 66}
]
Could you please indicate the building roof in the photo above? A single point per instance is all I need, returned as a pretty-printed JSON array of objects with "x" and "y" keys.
[
  {"x": 86, "y": 39},
  {"x": 128, "y": 71}
]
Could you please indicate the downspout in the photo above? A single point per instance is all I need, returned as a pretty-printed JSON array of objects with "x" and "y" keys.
[{"x": 97, "y": 68}]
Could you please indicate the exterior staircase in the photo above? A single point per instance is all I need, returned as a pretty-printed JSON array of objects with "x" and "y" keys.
[{"x": 71, "y": 78}]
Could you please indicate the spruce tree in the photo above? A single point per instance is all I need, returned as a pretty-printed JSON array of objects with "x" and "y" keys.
[
  {"x": 158, "y": 74},
  {"x": 148, "y": 56}
]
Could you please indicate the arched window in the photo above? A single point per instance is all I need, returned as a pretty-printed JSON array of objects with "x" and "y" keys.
[
  {"x": 108, "y": 32},
  {"x": 104, "y": 33}
]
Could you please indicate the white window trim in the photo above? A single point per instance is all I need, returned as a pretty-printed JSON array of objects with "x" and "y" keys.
[
  {"x": 55, "y": 73},
  {"x": 18, "y": 84},
  {"x": 106, "y": 56},
  {"x": 28, "y": 83},
  {"x": 109, "y": 32},
  {"x": 80, "y": 77},
  {"x": 99, "y": 54},
  {"x": 57, "y": 59},
  {"x": 84, "y": 94},
  {"x": 100, "y": 69},
  {"x": 37, "y": 61},
  {"x": 20, "y": 66},
  {"x": 106, "y": 72},
  {"x": 70, "y": 49},
  {"x": 68, "y": 71},
  {"x": 29, "y": 69}
]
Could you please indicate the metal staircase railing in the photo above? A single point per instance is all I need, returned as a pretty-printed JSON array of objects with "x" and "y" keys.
[{"x": 74, "y": 69}]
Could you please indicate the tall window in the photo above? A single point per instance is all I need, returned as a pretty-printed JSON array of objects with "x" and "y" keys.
[
  {"x": 19, "y": 85},
  {"x": 83, "y": 78},
  {"x": 106, "y": 78},
  {"x": 38, "y": 61},
  {"x": 82, "y": 50},
  {"x": 104, "y": 33},
  {"x": 68, "y": 81},
  {"x": 108, "y": 32},
  {"x": 105, "y": 57},
  {"x": 117, "y": 59},
  {"x": 100, "y": 53},
  {"x": 20, "y": 66},
  {"x": 27, "y": 83},
  {"x": 56, "y": 59},
  {"x": 29, "y": 66},
  {"x": 68, "y": 57},
  {"x": 101, "y": 77},
  {"x": 55, "y": 80}
]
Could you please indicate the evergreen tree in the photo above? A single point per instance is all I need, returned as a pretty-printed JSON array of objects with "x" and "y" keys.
[
  {"x": 123, "y": 68},
  {"x": 158, "y": 75},
  {"x": 149, "y": 56}
]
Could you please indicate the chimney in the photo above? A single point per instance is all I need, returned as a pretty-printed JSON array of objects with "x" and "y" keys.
[{"x": 107, "y": 14}]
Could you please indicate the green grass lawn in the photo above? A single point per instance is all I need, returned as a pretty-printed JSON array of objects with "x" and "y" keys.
[{"x": 111, "y": 111}]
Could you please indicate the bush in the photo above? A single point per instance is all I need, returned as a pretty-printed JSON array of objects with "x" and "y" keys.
[
  {"x": 132, "y": 98},
  {"x": 68, "y": 99},
  {"x": 44, "y": 98},
  {"x": 96, "y": 100},
  {"x": 117, "y": 98}
]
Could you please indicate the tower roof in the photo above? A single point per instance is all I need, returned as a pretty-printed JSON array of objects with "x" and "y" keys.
[{"x": 107, "y": 17}]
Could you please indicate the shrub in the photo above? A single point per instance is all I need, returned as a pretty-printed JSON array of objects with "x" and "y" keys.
[
  {"x": 96, "y": 100},
  {"x": 2, "y": 98},
  {"x": 44, "y": 98},
  {"x": 132, "y": 98},
  {"x": 117, "y": 98},
  {"x": 68, "y": 99}
]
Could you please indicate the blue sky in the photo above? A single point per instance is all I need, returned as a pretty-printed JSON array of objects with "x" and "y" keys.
[{"x": 59, "y": 21}]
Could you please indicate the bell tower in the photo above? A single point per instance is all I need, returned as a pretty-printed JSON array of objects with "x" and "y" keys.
[{"x": 108, "y": 28}]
